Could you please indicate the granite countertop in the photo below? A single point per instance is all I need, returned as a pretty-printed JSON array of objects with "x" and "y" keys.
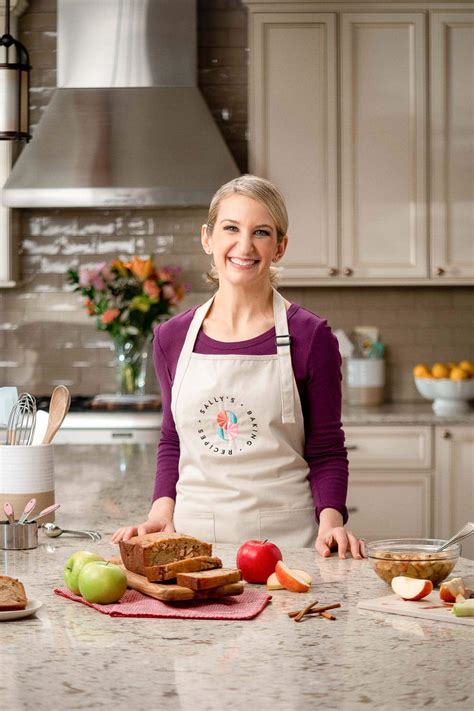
[
  {"x": 69, "y": 656},
  {"x": 401, "y": 413}
]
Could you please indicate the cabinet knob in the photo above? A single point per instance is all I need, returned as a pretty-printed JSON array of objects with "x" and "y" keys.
[
  {"x": 348, "y": 271},
  {"x": 440, "y": 271},
  {"x": 332, "y": 271},
  {"x": 447, "y": 434}
]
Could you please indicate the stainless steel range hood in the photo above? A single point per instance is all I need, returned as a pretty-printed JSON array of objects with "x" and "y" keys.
[{"x": 127, "y": 125}]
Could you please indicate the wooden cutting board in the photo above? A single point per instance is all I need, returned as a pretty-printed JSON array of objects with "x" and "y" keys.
[
  {"x": 170, "y": 592},
  {"x": 430, "y": 608}
]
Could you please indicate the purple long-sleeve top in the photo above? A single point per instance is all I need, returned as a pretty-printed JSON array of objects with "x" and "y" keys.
[{"x": 317, "y": 368}]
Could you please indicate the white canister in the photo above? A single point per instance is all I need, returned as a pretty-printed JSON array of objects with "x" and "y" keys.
[
  {"x": 27, "y": 472},
  {"x": 365, "y": 381}
]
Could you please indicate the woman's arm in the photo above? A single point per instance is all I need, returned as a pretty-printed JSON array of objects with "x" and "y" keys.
[
  {"x": 324, "y": 444},
  {"x": 160, "y": 516}
]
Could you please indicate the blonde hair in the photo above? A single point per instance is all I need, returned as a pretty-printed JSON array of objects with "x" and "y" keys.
[{"x": 258, "y": 189}]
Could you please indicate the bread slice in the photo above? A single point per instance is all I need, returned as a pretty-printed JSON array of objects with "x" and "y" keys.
[
  {"x": 152, "y": 549},
  {"x": 159, "y": 573},
  {"x": 12, "y": 594},
  {"x": 209, "y": 578},
  {"x": 220, "y": 591}
]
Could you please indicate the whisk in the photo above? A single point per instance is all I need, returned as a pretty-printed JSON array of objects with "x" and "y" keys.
[{"x": 22, "y": 420}]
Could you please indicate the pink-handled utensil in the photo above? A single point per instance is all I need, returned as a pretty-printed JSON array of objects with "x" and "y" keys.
[
  {"x": 27, "y": 510},
  {"x": 45, "y": 512},
  {"x": 9, "y": 513}
]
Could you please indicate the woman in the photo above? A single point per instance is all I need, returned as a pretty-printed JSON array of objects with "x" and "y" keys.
[{"x": 251, "y": 443}]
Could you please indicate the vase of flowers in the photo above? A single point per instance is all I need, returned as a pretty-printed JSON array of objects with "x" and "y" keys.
[{"x": 127, "y": 299}]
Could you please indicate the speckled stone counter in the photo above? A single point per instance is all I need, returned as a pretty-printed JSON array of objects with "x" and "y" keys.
[
  {"x": 401, "y": 413},
  {"x": 71, "y": 657}
]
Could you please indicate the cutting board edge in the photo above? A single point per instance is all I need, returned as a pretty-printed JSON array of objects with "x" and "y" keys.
[{"x": 375, "y": 605}]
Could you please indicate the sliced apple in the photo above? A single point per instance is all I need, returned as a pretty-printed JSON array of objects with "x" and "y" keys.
[
  {"x": 411, "y": 588},
  {"x": 463, "y": 609},
  {"x": 450, "y": 589},
  {"x": 273, "y": 584},
  {"x": 290, "y": 579}
]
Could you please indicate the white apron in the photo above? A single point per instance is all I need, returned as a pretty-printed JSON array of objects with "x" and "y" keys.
[{"x": 242, "y": 473}]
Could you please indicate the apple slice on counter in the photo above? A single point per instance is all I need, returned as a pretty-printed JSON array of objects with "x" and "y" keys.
[
  {"x": 290, "y": 579},
  {"x": 411, "y": 588},
  {"x": 463, "y": 609},
  {"x": 449, "y": 590},
  {"x": 273, "y": 584}
]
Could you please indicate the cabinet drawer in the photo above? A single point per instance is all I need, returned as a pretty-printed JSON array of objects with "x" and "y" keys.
[
  {"x": 390, "y": 507},
  {"x": 389, "y": 447}
]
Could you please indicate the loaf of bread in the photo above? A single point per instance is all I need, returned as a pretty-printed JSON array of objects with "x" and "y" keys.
[
  {"x": 221, "y": 591},
  {"x": 209, "y": 578},
  {"x": 12, "y": 594},
  {"x": 152, "y": 549},
  {"x": 159, "y": 573}
]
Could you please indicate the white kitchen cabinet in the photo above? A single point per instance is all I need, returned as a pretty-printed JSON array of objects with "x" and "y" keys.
[
  {"x": 454, "y": 482},
  {"x": 392, "y": 505},
  {"x": 452, "y": 145},
  {"x": 390, "y": 480},
  {"x": 383, "y": 145},
  {"x": 293, "y": 130},
  {"x": 339, "y": 119}
]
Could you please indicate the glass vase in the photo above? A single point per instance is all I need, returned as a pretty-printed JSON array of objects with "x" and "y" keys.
[{"x": 131, "y": 354}]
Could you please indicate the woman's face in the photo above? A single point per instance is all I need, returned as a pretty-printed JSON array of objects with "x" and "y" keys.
[{"x": 244, "y": 241}]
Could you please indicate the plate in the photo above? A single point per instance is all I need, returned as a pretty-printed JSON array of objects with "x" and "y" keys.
[{"x": 32, "y": 606}]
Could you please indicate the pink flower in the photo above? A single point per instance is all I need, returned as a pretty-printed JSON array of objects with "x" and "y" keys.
[
  {"x": 92, "y": 277},
  {"x": 109, "y": 316},
  {"x": 151, "y": 289},
  {"x": 169, "y": 293}
]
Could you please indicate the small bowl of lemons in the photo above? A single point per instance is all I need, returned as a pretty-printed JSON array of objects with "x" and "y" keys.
[{"x": 449, "y": 385}]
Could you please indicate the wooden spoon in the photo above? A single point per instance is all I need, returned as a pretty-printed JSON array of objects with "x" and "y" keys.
[{"x": 58, "y": 409}]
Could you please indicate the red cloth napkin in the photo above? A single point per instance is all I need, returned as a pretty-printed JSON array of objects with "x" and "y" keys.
[{"x": 134, "y": 604}]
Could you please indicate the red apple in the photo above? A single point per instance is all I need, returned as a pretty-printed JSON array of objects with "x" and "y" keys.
[
  {"x": 411, "y": 588},
  {"x": 257, "y": 560}
]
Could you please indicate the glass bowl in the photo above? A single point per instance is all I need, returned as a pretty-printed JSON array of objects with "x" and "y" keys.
[
  {"x": 450, "y": 397},
  {"x": 412, "y": 557}
]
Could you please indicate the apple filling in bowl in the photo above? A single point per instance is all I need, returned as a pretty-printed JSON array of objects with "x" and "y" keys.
[{"x": 412, "y": 558}]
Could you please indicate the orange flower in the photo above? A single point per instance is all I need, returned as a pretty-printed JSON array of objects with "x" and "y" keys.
[
  {"x": 90, "y": 308},
  {"x": 119, "y": 266},
  {"x": 151, "y": 289},
  {"x": 109, "y": 316},
  {"x": 140, "y": 268}
]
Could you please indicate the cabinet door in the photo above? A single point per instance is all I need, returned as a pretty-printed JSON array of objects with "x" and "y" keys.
[
  {"x": 389, "y": 505},
  {"x": 454, "y": 483},
  {"x": 293, "y": 122},
  {"x": 452, "y": 137},
  {"x": 389, "y": 447},
  {"x": 383, "y": 146}
]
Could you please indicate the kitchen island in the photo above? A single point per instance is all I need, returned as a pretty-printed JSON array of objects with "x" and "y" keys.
[{"x": 69, "y": 656}]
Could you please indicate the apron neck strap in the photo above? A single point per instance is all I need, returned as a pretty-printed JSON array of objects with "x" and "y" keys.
[{"x": 282, "y": 346}]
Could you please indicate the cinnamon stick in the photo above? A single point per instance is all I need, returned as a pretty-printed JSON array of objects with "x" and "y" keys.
[
  {"x": 303, "y": 612},
  {"x": 327, "y": 615},
  {"x": 310, "y": 610}
]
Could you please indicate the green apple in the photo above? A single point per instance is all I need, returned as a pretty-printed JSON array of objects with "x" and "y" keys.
[
  {"x": 463, "y": 609},
  {"x": 74, "y": 565},
  {"x": 102, "y": 582}
]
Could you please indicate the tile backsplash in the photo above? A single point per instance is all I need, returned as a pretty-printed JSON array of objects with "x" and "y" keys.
[{"x": 46, "y": 337}]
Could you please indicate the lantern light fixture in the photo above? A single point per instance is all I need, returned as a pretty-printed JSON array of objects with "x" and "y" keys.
[{"x": 14, "y": 86}]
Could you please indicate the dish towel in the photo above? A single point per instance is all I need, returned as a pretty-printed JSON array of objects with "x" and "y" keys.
[{"x": 134, "y": 604}]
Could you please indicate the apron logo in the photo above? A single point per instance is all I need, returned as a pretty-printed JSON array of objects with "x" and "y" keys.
[{"x": 223, "y": 431}]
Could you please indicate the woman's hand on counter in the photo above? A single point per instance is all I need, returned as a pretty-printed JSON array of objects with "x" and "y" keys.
[
  {"x": 332, "y": 534},
  {"x": 148, "y": 526},
  {"x": 160, "y": 519}
]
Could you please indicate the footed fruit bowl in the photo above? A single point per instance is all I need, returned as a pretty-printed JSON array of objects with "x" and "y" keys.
[
  {"x": 450, "y": 397},
  {"x": 413, "y": 558}
]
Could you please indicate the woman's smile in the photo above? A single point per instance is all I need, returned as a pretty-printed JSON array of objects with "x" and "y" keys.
[{"x": 240, "y": 263}]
